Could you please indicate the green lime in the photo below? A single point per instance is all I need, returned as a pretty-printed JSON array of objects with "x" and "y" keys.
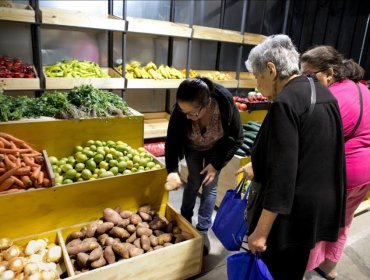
[
  {"x": 141, "y": 149},
  {"x": 90, "y": 142},
  {"x": 108, "y": 157},
  {"x": 61, "y": 162},
  {"x": 90, "y": 164},
  {"x": 70, "y": 174},
  {"x": 86, "y": 174},
  {"x": 80, "y": 166},
  {"x": 127, "y": 172},
  {"x": 81, "y": 157},
  {"x": 103, "y": 164},
  {"x": 130, "y": 164},
  {"x": 122, "y": 165},
  {"x": 98, "y": 143},
  {"x": 78, "y": 149},
  {"x": 93, "y": 148},
  {"x": 106, "y": 174},
  {"x": 111, "y": 143},
  {"x": 150, "y": 164},
  {"x": 53, "y": 160},
  {"x": 134, "y": 169},
  {"x": 66, "y": 167},
  {"x": 100, "y": 150},
  {"x": 67, "y": 181},
  {"x": 58, "y": 179},
  {"x": 113, "y": 163},
  {"x": 98, "y": 158},
  {"x": 114, "y": 170}
]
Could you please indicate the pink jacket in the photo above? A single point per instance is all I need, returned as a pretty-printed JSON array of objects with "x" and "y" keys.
[{"x": 357, "y": 149}]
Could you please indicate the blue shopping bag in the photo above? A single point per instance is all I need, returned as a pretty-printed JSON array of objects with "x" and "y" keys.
[
  {"x": 229, "y": 225},
  {"x": 247, "y": 266}
]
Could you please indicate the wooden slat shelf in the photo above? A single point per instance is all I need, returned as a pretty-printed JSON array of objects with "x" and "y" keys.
[
  {"x": 247, "y": 80},
  {"x": 155, "y": 125},
  {"x": 114, "y": 82},
  {"x": 150, "y": 83},
  {"x": 158, "y": 27},
  {"x": 80, "y": 19},
  {"x": 19, "y": 12},
  {"x": 253, "y": 39},
  {"x": 20, "y": 83},
  {"x": 216, "y": 34}
]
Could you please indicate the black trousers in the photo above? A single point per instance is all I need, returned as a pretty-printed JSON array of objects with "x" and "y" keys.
[{"x": 287, "y": 264}]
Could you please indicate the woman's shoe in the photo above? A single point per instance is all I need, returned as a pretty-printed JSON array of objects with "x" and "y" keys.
[{"x": 323, "y": 274}]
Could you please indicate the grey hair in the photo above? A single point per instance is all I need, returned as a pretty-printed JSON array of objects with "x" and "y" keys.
[{"x": 279, "y": 50}]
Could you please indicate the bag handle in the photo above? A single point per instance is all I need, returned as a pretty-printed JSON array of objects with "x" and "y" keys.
[
  {"x": 360, "y": 117},
  {"x": 313, "y": 97}
]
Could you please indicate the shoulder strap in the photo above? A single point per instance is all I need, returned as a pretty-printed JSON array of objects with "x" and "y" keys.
[
  {"x": 313, "y": 97},
  {"x": 360, "y": 116}
]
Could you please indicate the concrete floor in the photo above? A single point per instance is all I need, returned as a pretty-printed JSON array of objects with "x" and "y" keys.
[{"x": 354, "y": 265}]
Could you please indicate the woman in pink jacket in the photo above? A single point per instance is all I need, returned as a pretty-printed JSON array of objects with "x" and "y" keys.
[{"x": 342, "y": 76}]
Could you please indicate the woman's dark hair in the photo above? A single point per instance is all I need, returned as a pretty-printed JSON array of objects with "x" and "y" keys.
[
  {"x": 324, "y": 57},
  {"x": 195, "y": 90}
]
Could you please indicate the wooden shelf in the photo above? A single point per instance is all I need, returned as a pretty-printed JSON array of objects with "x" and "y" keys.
[
  {"x": 155, "y": 125},
  {"x": 253, "y": 39},
  {"x": 158, "y": 27},
  {"x": 80, "y": 19},
  {"x": 152, "y": 84},
  {"x": 216, "y": 34},
  {"x": 231, "y": 82},
  {"x": 114, "y": 82},
  {"x": 18, "y": 12},
  {"x": 247, "y": 80}
]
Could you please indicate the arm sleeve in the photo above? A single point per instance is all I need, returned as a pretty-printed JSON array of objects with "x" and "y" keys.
[
  {"x": 282, "y": 158},
  {"x": 173, "y": 144}
]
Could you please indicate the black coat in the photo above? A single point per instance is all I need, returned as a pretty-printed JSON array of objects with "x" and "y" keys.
[
  {"x": 299, "y": 161},
  {"x": 224, "y": 148}
]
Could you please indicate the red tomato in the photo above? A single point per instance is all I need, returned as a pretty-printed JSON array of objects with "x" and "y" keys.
[{"x": 243, "y": 107}]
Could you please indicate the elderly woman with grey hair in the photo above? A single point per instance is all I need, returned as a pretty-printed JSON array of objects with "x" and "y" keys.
[{"x": 298, "y": 189}]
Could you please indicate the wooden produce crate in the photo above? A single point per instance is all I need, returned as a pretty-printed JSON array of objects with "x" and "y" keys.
[
  {"x": 227, "y": 179},
  {"x": 178, "y": 261},
  {"x": 155, "y": 125},
  {"x": 18, "y": 12},
  {"x": 81, "y": 19},
  {"x": 114, "y": 82},
  {"x": 20, "y": 83}
]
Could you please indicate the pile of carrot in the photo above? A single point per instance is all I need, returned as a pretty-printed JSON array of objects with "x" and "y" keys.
[{"x": 21, "y": 167}]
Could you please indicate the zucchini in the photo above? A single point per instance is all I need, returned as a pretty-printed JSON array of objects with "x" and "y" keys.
[
  {"x": 245, "y": 148},
  {"x": 250, "y": 135},
  {"x": 240, "y": 152},
  {"x": 248, "y": 141},
  {"x": 251, "y": 127},
  {"x": 254, "y": 123}
]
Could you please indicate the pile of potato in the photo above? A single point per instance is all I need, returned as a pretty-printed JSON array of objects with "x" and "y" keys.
[
  {"x": 37, "y": 260},
  {"x": 121, "y": 235}
]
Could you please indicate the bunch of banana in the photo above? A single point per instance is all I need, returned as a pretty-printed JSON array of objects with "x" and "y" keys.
[
  {"x": 75, "y": 69},
  {"x": 192, "y": 73}
]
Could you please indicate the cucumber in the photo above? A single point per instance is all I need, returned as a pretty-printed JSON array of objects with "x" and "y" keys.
[
  {"x": 248, "y": 141},
  {"x": 245, "y": 148},
  {"x": 251, "y": 127},
  {"x": 250, "y": 135},
  {"x": 254, "y": 123},
  {"x": 240, "y": 152}
]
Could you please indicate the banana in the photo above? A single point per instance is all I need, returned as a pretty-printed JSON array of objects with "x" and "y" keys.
[
  {"x": 135, "y": 64},
  {"x": 128, "y": 68},
  {"x": 129, "y": 75},
  {"x": 144, "y": 73},
  {"x": 137, "y": 72},
  {"x": 150, "y": 65},
  {"x": 155, "y": 75}
]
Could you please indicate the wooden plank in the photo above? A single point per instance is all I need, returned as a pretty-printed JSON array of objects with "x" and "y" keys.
[
  {"x": 155, "y": 124},
  {"x": 152, "y": 84},
  {"x": 20, "y": 83},
  {"x": 67, "y": 261},
  {"x": 158, "y": 27},
  {"x": 156, "y": 115},
  {"x": 81, "y": 19},
  {"x": 19, "y": 12},
  {"x": 179, "y": 261},
  {"x": 114, "y": 82},
  {"x": 253, "y": 39},
  {"x": 215, "y": 34},
  {"x": 249, "y": 83}
]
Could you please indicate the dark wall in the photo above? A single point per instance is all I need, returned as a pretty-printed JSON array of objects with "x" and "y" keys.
[{"x": 340, "y": 23}]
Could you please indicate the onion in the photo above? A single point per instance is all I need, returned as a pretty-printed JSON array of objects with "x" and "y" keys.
[
  {"x": 16, "y": 265},
  {"x": 31, "y": 268},
  {"x": 54, "y": 254},
  {"x": 5, "y": 243},
  {"x": 48, "y": 275},
  {"x": 12, "y": 252},
  {"x": 2, "y": 268},
  {"x": 7, "y": 275}
]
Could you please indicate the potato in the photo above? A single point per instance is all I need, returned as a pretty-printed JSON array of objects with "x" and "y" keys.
[
  {"x": 158, "y": 232},
  {"x": 144, "y": 208},
  {"x": 131, "y": 228},
  {"x": 169, "y": 227},
  {"x": 82, "y": 259},
  {"x": 125, "y": 214},
  {"x": 109, "y": 215},
  {"x": 104, "y": 227},
  {"x": 117, "y": 209},
  {"x": 143, "y": 231},
  {"x": 135, "y": 251},
  {"x": 110, "y": 241},
  {"x": 158, "y": 247},
  {"x": 145, "y": 242},
  {"x": 137, "y": 243},
  {"x": 152, "y": 213},
  {"x": 135, "y": 219},
  {"x": 103, "y": 239},
  {"x": 179, "y": 238},
  {"x": 99, "y": 263},
  {"x": 5, "y": 243},
  {"x": 124, "y": 223},
  {"x": 145, "y": 216},
  {"x": 176, "y": 230},
  {"x": 119, "y": 232},
  {"x": 164, "y": 238},
  {"x": 158, "y": 223},
  {"x": 122, "y": 249},
  {"x": 91, "y": 229},
  {"x": 132, "y": 238},
  {"x": 109, "y": 255},
  {"x": 74, "y": 247},
  {"x": 95, "y": 254},
  {"x": 75, "y": 235},
  {"x": 186, "y": 235},
  {"x": 143, "y": 224},
  {"x": 153, "y": 240}
]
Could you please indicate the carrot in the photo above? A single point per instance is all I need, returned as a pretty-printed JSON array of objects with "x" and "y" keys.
[
  {"x": 2, "y": 144},
  {"x": 2, "y": 164},
  {"x": 35, "y": 173},
  {"x": 11, "y": 138},
  {"x": 33, "y": 154},
  {"x": 2, "y": 170},
  {"x": 26, "y": 181},
  {"x": 5, "y": 142},
  {"x": 18, "y": 182},
  {"x": 40, "y": 179},
  {"x": 6, "y": 184},
  {"x": 12, "y": 145},
  {"x": 14, "y": 151},
  {"x": 1, "y": 157},
  {"x": 7, "y": 174},
  {"x": 29, "y": 162},
  {"x": 26, "y": 146},
  {"x": 46, "y": 183},
  {"x": 23, "y": 171},
  {"x": 8, "y": 163}
]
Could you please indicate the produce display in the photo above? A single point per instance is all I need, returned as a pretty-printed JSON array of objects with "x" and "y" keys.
[
  {"x": 250, "y": 102},
  {"x": 75, "y": 69},
  {"x": 213, "y": 75},
  {"x": 21, "y": 167},
  {"x": 101, "y": 159},
  {"x": 80, "y": 102},
  {"x": 250, "y": 131},
  {"x": 121, "y": 234},
  {"x": 38, "y": 259},
  {"x": 134, "y": 70},
  {"x": 15, "y": 68}
]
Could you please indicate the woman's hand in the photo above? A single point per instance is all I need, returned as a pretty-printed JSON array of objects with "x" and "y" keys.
[
  {"x": 256, "y": 242},
  {"x": 173, "y": 181},
  {"x": 210, "y": 174},
  {"x": 247, "y": 171}
]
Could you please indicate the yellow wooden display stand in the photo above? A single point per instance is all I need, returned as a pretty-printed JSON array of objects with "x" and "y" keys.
[
  {"x": 58, "y": 208},
  {"x": 227, "y": 178}
]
